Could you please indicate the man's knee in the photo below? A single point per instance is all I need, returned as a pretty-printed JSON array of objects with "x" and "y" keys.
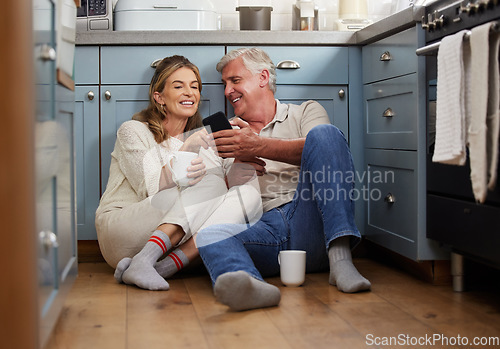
[
  {"x": 325, "y": 135},
  {"x": 216, "y": 233}
]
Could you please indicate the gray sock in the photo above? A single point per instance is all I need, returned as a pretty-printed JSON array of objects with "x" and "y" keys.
[
  {"x": 175, "y": 261},
  {"x": 171, "y": 264},
  {"x": 122, "y": 265},
  {"x": 141, "y": 271},
  {"x": 343, "y": 273},
  {"x": 240, "y": 291}
]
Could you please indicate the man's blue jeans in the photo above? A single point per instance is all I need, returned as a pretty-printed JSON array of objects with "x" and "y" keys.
[{"x": 320, "y": 212}]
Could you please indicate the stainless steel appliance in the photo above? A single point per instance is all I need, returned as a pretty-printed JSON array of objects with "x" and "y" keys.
[
  {"x": 94, "y": 15},
  {"x": 453, "y": 217}
]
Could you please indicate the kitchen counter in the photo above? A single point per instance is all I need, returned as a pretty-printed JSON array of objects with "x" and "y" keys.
[{"x": 387, "y": 26}]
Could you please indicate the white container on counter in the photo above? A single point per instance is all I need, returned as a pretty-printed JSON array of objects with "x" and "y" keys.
[
  {"x": 353, "y": 15},
  {"x": 165, "y": 15}
]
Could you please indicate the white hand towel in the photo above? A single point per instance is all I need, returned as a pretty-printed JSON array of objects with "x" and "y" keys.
[
  {"x": 492, "y": 120},
  {"x": 450, "y": 102},
  {"x": 478, "y": 101}
]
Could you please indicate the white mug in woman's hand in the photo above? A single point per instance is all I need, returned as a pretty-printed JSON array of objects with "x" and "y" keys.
[{"x": 181, "y": 160}]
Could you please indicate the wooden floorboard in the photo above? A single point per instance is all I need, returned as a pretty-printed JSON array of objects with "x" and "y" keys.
[{"x": 100, "y": 313}]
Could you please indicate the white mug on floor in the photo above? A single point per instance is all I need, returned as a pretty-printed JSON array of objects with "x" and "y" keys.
[
  {"x": 181, "y": 160},
  {"x": 292, "y": 267}
]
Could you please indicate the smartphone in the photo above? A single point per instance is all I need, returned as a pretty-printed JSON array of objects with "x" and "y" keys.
[{"x": 217, "y": 122}]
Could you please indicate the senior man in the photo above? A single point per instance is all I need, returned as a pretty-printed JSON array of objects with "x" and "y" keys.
[{"x": 305, "y": 174}]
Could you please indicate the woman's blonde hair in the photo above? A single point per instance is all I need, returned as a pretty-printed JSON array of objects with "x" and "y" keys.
[{"x": 155, "y": 113}]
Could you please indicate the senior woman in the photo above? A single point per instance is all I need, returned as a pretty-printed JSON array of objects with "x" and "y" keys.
[{"x": 144, "y": 214}]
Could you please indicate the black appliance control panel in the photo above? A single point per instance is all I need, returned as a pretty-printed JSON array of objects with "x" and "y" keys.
[{"x": 447, "y": 17}]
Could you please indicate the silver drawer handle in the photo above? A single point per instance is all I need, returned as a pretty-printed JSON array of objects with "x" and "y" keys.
[
  {"x": 47, "y": 53},
  {"x": 90, "y": 95},
  {"x": 288, "y": 64},
  {"x": 390, "y": 199},
  {"x": 155, "y": 63},
  {"x": 48, "y": 239},
  {"x": 107, "y": 95},
  {"x": 165, "y": 6},
  {"x": 385, "y": 57},
  {"x": 388, "y": 113}
]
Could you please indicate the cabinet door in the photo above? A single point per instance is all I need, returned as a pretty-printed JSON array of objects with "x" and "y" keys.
[
  {"x": 46, "y": 164},
  {"x": 65, "y": 186},
  {"x": 54, "y": 176},
  {"x": 329, "y": 97},
  {"x": 392, "y": 200},
  {"x": 87, "y": 159},
  {"x": 395, "y": 218},
  {"x": 120, "y": 103},
  {"x": 46, "y": 160},
  {"x": 56, "y": 208}
]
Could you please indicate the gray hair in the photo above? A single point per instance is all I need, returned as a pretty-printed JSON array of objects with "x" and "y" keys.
[{"x": 255, "y": 60}]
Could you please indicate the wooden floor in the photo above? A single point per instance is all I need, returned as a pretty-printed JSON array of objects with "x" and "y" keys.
[{"x": 99, "y": 313}]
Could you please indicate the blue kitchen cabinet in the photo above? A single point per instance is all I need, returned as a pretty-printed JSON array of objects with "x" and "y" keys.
[
  {"x": 133, "y": 65},
  {"x": 118, "y": 104},
  {"x": 87, "y": 155},
  {"x": 54, "y": 175},
  {"x": 119, "y": 77},
  {"x": 394, "y": 95},
  {"x": 328, "y": 96},
  {"x": 87, "y": 152}
]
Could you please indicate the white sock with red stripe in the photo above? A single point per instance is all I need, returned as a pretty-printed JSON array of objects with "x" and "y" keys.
[
  {"x": 141, "y": 271},
  {"x": 175, "y": 261}
]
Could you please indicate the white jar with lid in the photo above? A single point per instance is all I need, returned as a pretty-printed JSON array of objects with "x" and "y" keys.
[{"x": 353, "y": 15}]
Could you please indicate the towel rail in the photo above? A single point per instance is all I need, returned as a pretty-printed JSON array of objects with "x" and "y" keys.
[{"x": 432, "y": 49}]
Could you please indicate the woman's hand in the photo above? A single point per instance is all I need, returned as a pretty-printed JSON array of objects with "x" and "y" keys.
[
  {"x": 196, "y": 171},
  {"x": 199, "y": 139}
]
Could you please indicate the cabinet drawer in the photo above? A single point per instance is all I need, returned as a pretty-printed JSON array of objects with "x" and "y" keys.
[
  {"x": 392, "y": 202},
  {"x": 86, "y": 65},
  {"x": 391, "y": 113},
  {"x": 391, "y": 57},
  {"x": 318, "y": 65},
  {"x": 132, "y": 64}
]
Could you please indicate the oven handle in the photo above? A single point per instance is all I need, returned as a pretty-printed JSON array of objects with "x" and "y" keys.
[
  {"x": 429, "y": 50},
  {"x": 432, "y": 49}
]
